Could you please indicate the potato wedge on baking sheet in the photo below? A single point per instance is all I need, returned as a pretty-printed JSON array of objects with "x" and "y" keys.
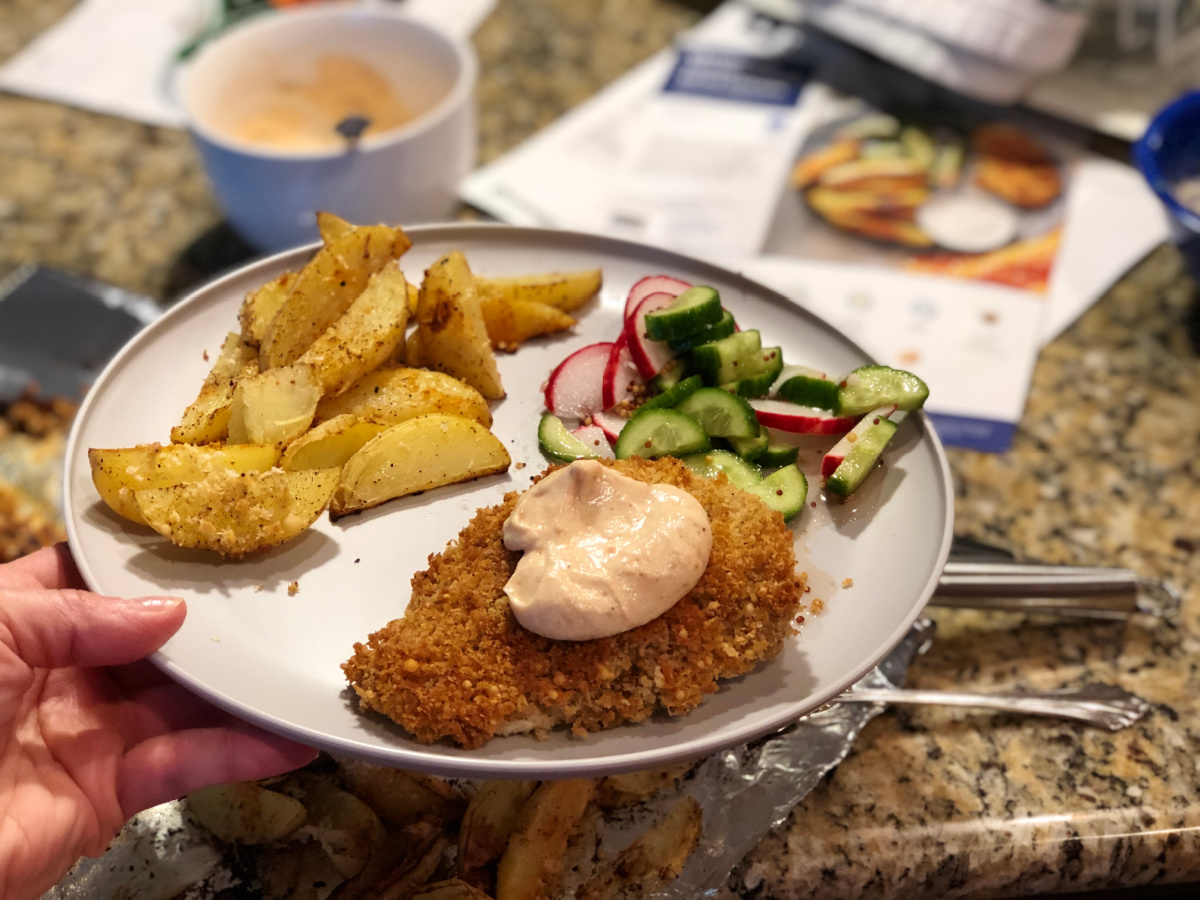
[
  {"x": 634, "y": 787},
  {"x": 238, "y": 514},
  {"x": 658, "y": 855},
  {"x": 395, "y": 395},
  {"x": 326, "y": 287},
  {"x": 408, "y": 859},
  {"x": 365, "y": 336},
  {"x": 347, "y": 828},
  {"x": 118, "y": 472},
  {"x": 275, "y": 406},
  {"x": 296, "y": 871},
  {"x": 414, "y": 456},
  {"x": 489, "y": 821},
  {"x": 563, "y": 290},
  {"x": 245, "y": 812},
  {"x": 329, "y": 444},
  {"x": 451, "y": 332},
  {"x": 260, "y": 306},
  {"x": 510, "y": 323},
  {"x": 532, "y": 865},
  {"x": 450, "y": 889},
  {"x": 207, "y": 419},
  {"x": 401, "y": 798}
]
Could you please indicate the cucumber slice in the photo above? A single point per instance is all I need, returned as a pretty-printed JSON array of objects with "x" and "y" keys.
[
  {"x": 784, "y": 491},
  {"x": 750, "y": 448},
  {"x": 870, "y": 387},
  {"x": 740, "y": 473},
  {"x": 710, "y": 358},
  {"x": 722, "y": 328},
  {"x": 669, "y": 375},
  {"x": 672, "y": 396},
  {"x": 556, "y": 441},
  {"x": 809, "y": 390},
  {"x": 661, "y": 432},
  {"x": 720, "y": 413},
  {"x": 694, "y": 310},
  {"x": 752, "y": 375},
  {"x": 861, "y": 457},
  {"x": 777, "y": 453}
]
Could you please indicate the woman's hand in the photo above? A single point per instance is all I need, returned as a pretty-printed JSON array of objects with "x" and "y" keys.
[{"x": 88, "y": 735}]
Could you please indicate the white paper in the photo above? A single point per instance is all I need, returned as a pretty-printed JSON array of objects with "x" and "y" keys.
[{"x": 119, "y": 56}]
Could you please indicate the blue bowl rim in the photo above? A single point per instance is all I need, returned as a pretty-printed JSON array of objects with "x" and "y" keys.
[{"x": 1146, "y": 159}]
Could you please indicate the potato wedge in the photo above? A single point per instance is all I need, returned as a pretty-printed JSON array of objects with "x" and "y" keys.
[
  {"x": 329, "y": 444},
  {"x": 260, "y": 306},
  {"x": 246, "y": 812},
  {"x": 401, "y": 798},
  {"x": 510, "y": 323},
  {"x": 296, "y": 871},
  {"x": 414, "y": 456},
  {"x": 117, "y": 473},
  {"x": 394, "y": 395},
  {"x": 634, "y": 787},
  {"x": 563, "y": 290},
  {"x": 809, "y": 168},
  {"x": 238, "y": 514},
  {"x": 486, "y": 826},
  {"x": 450, "y": 889},
  {"x": 207, "y": 419},
  {"x": 348, "y": 829},
  {"x": 332, "y": 227},
  {"x": 275, "y": 406},
  {"x": 532, "y": 866},
  {"x": 453, "y": 336},
  {"x": 408, "y": 860},
  {"x": 658, "y": 855},
  {"x": 365, "y": 336},
  {"x": 326, "y": 287}
]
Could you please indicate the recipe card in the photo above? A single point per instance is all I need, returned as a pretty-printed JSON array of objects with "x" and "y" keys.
[{"x": 950, "y": 240}]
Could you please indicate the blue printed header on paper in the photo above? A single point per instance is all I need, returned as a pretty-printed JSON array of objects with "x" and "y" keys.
[
  {"x": 985, "y": 435},
  {"x": 733, "y": 76}
]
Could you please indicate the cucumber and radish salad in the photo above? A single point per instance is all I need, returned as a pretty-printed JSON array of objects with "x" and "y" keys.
[{"x": 682, "y": 379}]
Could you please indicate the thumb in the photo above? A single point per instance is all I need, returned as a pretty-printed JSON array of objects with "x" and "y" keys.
[{"x": 51, "y": 629}]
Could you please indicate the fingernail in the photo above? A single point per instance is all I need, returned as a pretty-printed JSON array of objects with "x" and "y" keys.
[{"x": 154, "y": 602}]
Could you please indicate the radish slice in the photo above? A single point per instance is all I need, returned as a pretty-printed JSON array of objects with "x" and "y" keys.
[
  {"x": 653, "y": 284},
  {"x": 576, "y": 387},
  {"x": 796, "y": 419},
  {"x": 620, "y": 374},
  {"x": 596, "y": 440},
  {"x": 610, "y": 423},
  {"x": 838, "y": 452},
  {"x": 649, "y": 356}
]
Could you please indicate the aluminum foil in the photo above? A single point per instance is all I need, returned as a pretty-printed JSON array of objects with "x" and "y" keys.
[{"x": 743, "y": 793}]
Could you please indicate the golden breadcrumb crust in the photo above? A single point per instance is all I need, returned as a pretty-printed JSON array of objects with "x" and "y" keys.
[{"x": 459, "y": 665}]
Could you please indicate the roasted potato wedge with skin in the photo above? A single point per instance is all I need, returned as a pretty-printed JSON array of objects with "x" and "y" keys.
[
  {"x": 260, "y": 306},
  {"x": 238, "y": 514},
  {"x": 510, "y": 323},
  {"x": 563, "y": 290},
  {"x": 329, "y": 444},
  {"x": 451, "y": 889},
  {"x": 486, "y": 827},
  {"x": 414, "y": 456},
  {"x": 408, "y": 860},
  {"x": 657, "y": 855},
  {"x": 245, "y": 812},
  {"x": 297, "y": 871},
  {"x": 326, "y": 287},
  {"x": 401, "y": 798},
  {"x": 452, "y": 334},
  {"x": 392, "y": 396},
  {"x": 897, "y": 203},
  {"x": 633, "y": 787},
  {"x": 366, "y": 335},
  {"x": 347, "y": 828},
  {"x": 275, "y": 406},
  {"x": 117, "y": 473},
  {"x": 207, "y": 419},
  {"x": 332, "y": 227},
  {"x": 809, "y": 168},
  {"x": 532, "y": 866}
]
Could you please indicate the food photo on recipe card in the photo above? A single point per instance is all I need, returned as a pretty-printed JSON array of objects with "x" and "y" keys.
[{"x": 954, "y": 246}]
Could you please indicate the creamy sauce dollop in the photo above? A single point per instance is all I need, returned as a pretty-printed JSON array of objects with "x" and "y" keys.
[{"x": 604, "y": 553}]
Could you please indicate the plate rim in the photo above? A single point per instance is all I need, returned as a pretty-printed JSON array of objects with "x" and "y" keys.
[{"x": 416, "y": 757}]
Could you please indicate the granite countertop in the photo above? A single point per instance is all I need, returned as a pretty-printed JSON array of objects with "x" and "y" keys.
[{"x": 1105, "y": 470}]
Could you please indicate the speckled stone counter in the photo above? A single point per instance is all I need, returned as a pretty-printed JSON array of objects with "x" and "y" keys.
[{"x": 1104, "y": 471}]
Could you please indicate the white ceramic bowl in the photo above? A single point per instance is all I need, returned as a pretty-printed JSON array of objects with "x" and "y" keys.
[{"x": 405, "y": 175}]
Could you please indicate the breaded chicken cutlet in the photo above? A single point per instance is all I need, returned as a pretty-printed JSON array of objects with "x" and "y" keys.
[{"x": 458, "y": 664}]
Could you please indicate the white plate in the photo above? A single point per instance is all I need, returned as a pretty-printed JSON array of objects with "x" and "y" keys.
[{"x": 275, "y": 659}]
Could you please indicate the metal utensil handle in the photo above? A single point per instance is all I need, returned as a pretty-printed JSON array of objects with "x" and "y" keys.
[{"x": 1106, "y": 705}]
